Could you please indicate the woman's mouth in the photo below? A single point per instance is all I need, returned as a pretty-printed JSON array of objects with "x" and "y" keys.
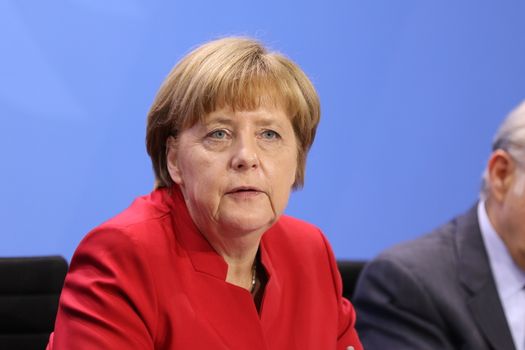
[{"x": 244, "y": 192}]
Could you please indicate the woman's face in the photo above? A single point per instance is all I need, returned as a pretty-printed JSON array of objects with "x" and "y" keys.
[{"x": 236, "y": 169}]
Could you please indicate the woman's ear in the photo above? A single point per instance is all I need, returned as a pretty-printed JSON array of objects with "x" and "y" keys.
[
  {"x": 171, "y": 160},
  {"x": 501, "y": 168}
]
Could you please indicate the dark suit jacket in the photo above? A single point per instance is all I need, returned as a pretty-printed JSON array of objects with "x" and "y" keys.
[{"x": 435, "y": 292}]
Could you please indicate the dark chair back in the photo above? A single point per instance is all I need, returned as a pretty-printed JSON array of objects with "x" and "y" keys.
[
  {"x": 29, "y": 292},
  {"x": 350, "y": 270}
]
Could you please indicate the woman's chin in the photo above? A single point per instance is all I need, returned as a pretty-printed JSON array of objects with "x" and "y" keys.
[{"x": 247, "y": 225}]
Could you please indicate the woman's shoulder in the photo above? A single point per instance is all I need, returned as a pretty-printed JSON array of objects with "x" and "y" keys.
[
  {"x": 143, "y": 209},
  {"x": 298, "y": 248},
  {"x": 295, "y": 234},
  {"x": 146, "y": 218}
]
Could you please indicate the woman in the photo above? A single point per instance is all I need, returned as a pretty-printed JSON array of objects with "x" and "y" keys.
[{"x": 207, "y": 260}]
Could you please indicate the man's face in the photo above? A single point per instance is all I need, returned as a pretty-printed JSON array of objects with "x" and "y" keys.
[{"x": 513, "y": 217}]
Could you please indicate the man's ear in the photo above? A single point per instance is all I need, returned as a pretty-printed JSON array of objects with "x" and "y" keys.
[
  {"x": 501, "y": 170},
  {"x": 171, "y": 160}
]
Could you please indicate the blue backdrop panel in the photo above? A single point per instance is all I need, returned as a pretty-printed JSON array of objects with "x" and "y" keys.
[{"x": 411, "y": 93}]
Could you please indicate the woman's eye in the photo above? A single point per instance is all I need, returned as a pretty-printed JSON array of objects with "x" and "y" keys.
[
  {"x": 270, "y": 134},
  {"x": 218, "y": 134}
]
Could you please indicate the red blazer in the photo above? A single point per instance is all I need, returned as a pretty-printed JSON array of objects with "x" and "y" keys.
[{"x": 147, "y": 279}]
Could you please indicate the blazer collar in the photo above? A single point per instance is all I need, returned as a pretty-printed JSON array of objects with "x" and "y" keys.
[
  {"x": 206, "y": 260},
  {"x": 476, "y": 278},
  {"x": 201, "y": 254}
]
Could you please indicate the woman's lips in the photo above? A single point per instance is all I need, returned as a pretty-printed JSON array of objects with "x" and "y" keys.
[{"x": 244, "y": 192}]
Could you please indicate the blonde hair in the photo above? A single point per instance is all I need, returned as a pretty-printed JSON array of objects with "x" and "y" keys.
[{"x": 231, "y": 72}]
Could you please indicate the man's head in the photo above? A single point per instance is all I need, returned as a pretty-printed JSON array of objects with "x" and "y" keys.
[{"x": 504, "y": 184}]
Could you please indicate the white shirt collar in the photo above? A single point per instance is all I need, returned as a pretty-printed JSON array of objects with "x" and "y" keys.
[{"x": 508, "y": 276}]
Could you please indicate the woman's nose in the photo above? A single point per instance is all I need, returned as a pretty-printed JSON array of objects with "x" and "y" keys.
[{"x": 245, "y": 154}]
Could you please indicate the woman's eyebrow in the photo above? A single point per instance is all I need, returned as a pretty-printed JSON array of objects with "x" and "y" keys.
[
  {"x": 219, "y": 120},
  {"x": 268, "y": 121}
]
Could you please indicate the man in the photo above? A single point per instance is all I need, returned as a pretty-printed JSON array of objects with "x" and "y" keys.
[{"x": 461, "y": 286}]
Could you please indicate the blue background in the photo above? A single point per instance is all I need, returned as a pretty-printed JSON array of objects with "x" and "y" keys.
[{"x": 412, "y": 92}]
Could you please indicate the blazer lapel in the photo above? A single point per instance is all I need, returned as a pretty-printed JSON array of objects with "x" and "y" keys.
[
  {"x": 489, "y": 315},
  {"x": 230, "y": 311},
  {"x": 476, "y": 277}
]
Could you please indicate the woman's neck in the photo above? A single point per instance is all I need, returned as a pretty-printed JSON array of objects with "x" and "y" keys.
[{"x": 240, "y": 255}]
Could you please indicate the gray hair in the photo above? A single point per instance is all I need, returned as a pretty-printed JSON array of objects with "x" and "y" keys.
[{"x": 509, "y": 138}]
